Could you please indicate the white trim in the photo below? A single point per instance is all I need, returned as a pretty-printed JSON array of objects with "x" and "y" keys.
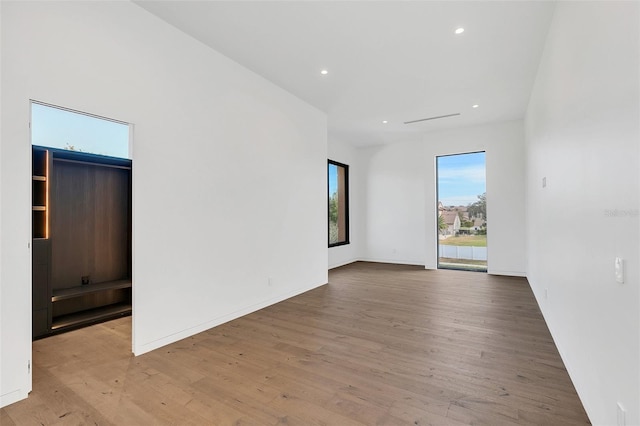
[
  {"x": 13, "y": 396},
  {"x": 393, "y": 261},
  {"x": 88, "y": 114},
  {"x": 427, "y": 267},
  {"x": 133, "y": 240},
  {"x": 347, "y": 262},
  {"x": 506, "y": 273}
]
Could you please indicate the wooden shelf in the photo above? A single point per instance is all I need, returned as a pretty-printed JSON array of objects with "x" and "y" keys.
[
  {"x": 40, "y": 158},
  {"x": 70, "y": 293},
  {"x": 39, "y": 196},
  {"x": 91, "y": 316}
]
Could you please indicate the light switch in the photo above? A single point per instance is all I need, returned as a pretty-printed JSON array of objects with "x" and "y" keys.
[{"x": 619, "y": 270}]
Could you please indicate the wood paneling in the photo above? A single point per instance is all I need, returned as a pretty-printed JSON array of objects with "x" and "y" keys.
[
  {"x": 381, "y": 344},
  {"x": 41, "y": 288},
  {"x": 89, "y": 224},
  {"x": 77, "y": 280}
]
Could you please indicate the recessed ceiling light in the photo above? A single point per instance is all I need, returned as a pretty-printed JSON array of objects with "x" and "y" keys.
[
  {"x": 384, "y": 121},
  {"x": 459, "y": 30},
  {"x": 324, "y": 72},
  {"x": 475, "y": 106}
]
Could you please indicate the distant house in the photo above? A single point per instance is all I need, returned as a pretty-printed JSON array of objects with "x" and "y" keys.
[
  {"x": 462, "y": 210},
  {"x": 454, "y": 216},
  {"x": 452, "y": 219},
  {"x": 478, "y": 224}
]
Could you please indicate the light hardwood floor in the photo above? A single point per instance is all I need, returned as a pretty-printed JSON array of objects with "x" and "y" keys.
[{"x": 381, "y": 344}]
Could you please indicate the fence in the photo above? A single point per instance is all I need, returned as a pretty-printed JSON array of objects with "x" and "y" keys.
[{"x": 463, "y": 252}]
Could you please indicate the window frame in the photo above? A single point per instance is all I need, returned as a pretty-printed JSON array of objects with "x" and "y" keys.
[
  {"x": 346, "y": 240},
  {"x": 75, "y": 115}
]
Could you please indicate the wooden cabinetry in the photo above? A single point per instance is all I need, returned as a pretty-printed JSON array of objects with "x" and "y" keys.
[
  {"x": 81, "y": 239},
  {"x": 41, "y": 291},
  {"x": 39, "y": 190}
]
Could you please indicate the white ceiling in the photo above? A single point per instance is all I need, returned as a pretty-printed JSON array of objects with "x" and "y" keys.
[{"x": 387, "y": 60}]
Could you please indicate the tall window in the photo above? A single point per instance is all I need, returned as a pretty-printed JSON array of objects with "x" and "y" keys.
[
  {"x": 338, "y": 204},
  {"x": 462, "y": 211}
]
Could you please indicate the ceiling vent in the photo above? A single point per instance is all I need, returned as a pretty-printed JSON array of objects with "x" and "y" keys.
[{"x": 432, "y": 118}]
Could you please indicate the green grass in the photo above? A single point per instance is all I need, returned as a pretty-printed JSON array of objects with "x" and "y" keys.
[{"x": 466, "y": 240}]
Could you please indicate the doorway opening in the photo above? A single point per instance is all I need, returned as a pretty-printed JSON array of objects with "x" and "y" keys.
[
  {"x": 461, "y": 200},
  {"x": 81, "y": 219}
]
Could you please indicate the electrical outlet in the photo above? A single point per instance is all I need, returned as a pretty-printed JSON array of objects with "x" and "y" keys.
[
  {"x": 544, "y": 182},
  {"x": 546, "y": 293},
  {"x": 270, "y": 282}
]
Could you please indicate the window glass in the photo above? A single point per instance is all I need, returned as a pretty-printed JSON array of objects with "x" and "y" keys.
[
  {"x": 338, "y": 204},
  {"x": 65, "y": 129}
]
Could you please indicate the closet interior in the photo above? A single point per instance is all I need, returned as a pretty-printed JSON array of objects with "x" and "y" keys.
[{"x": 81, "y": 239}]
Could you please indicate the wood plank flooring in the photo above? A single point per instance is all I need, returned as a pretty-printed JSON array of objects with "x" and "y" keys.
[{"x": 380, "y": 345}]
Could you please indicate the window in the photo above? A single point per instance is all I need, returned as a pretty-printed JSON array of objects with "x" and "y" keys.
[
  {"x": 462, "y": 211},
  {"x": 338, "y": 204},
  {"x": 57, "y": 127}
]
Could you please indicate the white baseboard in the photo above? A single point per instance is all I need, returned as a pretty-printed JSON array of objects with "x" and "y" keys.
[
  {"x": 394, "y": 261},
  {"x": 348, "y": 262},
  {"x": 419, "y": 263},
  {"x": 166, "y": 340},
  {"x": 506, "y": 273},
  {"x": 11, "y": 397}
]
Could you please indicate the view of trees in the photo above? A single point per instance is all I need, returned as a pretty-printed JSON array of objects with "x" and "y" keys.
[
  {"x": 338, "y": 203},
  {"x": 70, "y": 147},
  {"x": 469, "y": 219},
  {"x": 442, "y": 225},
  {"x": 479, "y": 208},
  {"x": 466, "y": 223},
  {"x": 333, "y": 218}
]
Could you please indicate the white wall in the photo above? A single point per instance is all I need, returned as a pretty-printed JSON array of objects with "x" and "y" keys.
[
  {"x": 582, "y": 133},
  {"x": 229, "y": 171},
  {"x": 15, "y": 254},
  {"x": 395, "y": 202},
  {"x": 401, "y": 196},
  {"x": 16, "y": 384},
  {"x": 343, "y": 152}
]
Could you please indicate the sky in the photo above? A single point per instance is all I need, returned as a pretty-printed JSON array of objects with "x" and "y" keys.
[
  {"x": 461, "y": 178},
  {"x": 333, "y": 178},
  {"x": 58, "y": 128}
]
